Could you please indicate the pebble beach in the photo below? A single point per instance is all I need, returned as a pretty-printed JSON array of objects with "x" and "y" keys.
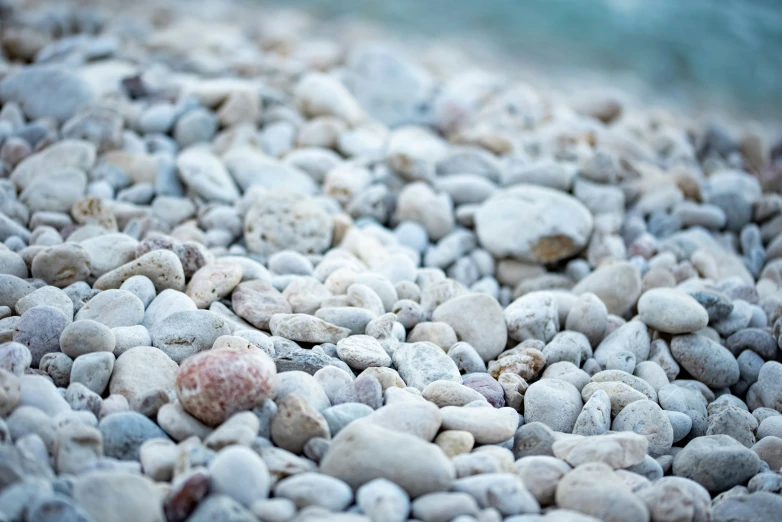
[{"x": 258, "y": 268}]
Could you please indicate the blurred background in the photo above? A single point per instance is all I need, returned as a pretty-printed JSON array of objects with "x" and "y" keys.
[{"x": 705, "y": 54}]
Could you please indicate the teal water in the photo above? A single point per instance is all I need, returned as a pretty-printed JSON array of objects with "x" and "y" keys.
[{"x": 712, "y": 52}]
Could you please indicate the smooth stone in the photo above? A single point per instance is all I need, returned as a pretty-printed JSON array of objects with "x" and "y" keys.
[
  {"x": 632, "y": 337},
  {"x": 167, "y": 302},
  {"x": 422, "y": 419},
  {"x": 562, "y": 225},
  {"x": 241, "y": 474},
  {"x": 46, "y": 296},
  {"x": 215, "y": 384},
  {"x": 504, "y": 492},
  {"x": 38, "y": 391},
  {"x": 541, "y": 474},
  {"x": 109, "y": 251},
  {"x": 187, "y": 333},
  {"x": 648, "y": 419},
  {"x": 362, "y": 452},
  {"x": 93, "y": 370},
  {"x": 593, "y": 489},
  {"x": 39, "y": 329},
  {"x": 595, "y": 417},
  {"x": 113, "y": 308},
  {"x": 127, "y": 337},
  {"x": 47, "y": 91},
  {"x": 141, "y": 287},
  {"x": 676, "y": 498},
  {"x": 125, "y": 432},
  {"x": 115, "y": 496},
  {"x": 315, "y": 489},
  {"x": 86, "y": 336},
  {"x": 140, "y": 372},
  {"x": 383, "y": 501},
  {"x": 487, "y": 425},
  {"x": 162, "y": 267},
  {"x": 420, "y": 364},
  {"x": 553, "y": 402},
  {"x": 443, "y": 507},
  {"x": 706, "y": 360},
  {"x": 671, "y": 311},
  {"x": 618, "y": 285},
  {"x": 533, "y": 316},
  {"x": 477, "y": 320},
  {"x": 716, "y": 462}
]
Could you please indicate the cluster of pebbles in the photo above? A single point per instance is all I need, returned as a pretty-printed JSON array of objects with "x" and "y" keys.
[{"x": 247, "y": 274}]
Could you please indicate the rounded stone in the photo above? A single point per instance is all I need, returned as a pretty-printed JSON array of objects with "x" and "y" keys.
[
  {"x": 86, "y": 336},
  {"x": 706, "y": 360},
  {"x": 477, "y": 320},
  {"x": 559, "y": 225},
  {"x": 554, "y": 403},
  {"x": 113, "y": 308},
  {"x": 239, "y": 473},
  {"x": 648, "y": 419},
  {"x": 716, "y": 462},
  {"x": 62, "y": 265},
  {"x": 671, "y": 311},
  {"x": 125, "y": 432},
  {"x": 187, "y": 333},
  {"x": 39, "y": 329},
  {"x": 213, "y": 385}
]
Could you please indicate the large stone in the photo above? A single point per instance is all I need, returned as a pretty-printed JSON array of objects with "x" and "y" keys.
[
  {"x": 213, "y": 385},
  {"x": 363, "y": 452},
  {"x": 556, "y": 225},
  {"x": 477, "y": 320},
  {"x": 716, "y": 462},
  {"x": 46, "y": 92}
]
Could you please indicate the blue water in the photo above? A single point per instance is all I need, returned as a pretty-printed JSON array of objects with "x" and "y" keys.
[{"x": 710, "y": 52}]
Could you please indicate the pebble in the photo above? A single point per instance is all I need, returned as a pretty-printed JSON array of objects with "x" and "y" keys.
[
  {"x": 549, "y": 239},
  {"x": 113, "y": 308},
  {"x": 421, "y": 364},
  {"x": 86, "y": 336},
  {"x": 142, "y": 372},
  {"x": 296, "y": 422},
  {"x": 593, "y": 489},
  {"x": 706, "y": 360},
  {"x": 116, "y": 496},
  {"x": 162, "y": 267},
  {"x": 553, "y": 402},
  {"x": 315, "y": 489},
  {"x": 47, "y": 91},
  {"x": 487, "y": 425},
  {"x": 125, "y": 432},
  {"x": 716, "y": 462},
  {"x": 383, "y": 500},
  {"x": 187, "y": 333},
  {"x": 39, "y": 329},
  {"x": 362, "y": 452},
  {"x": 213, "y": 385},
  {"x": 240, "y": 474},
  {"x": 62, "y": 265},
  {"x": 671, "y": 311},
  {"x": 362, "y": 351},
  {"x": 617, "y": 285},
  {"x": 93, "y": 370}
]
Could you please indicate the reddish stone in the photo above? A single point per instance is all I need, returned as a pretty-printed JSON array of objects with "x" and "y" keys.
[{"x": 215, "y": 384}]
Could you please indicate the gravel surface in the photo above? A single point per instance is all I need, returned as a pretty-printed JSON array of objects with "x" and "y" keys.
[{"x": 248, "y": 274}]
